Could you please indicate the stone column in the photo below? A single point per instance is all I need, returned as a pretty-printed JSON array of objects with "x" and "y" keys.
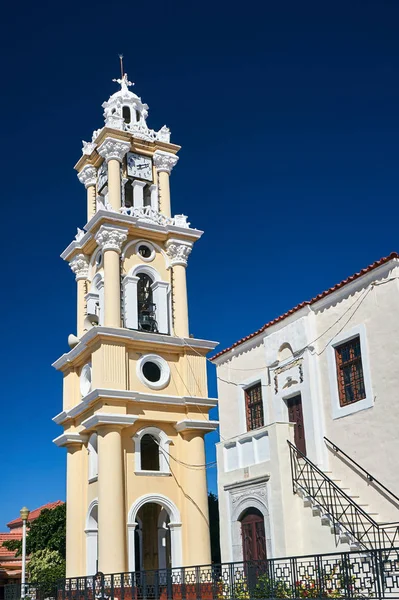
[
  {"x": 198, "y": 545},
  {"x": 88, "y": 176},
  {"x": 111, "y": 239},
  {"x": 111, "y": 513},
  {"x": 164, "y": 163},
  {"x": 80, "y": 266},
  {"x": 113, "y": 151},
  {"x": 75, "y": 517},
  {"x": 178, "y": 252}
]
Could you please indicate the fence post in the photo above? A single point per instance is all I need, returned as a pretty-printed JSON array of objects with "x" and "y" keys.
[{"x": 379, "y": 572}]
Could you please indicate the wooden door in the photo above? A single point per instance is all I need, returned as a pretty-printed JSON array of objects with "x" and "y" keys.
[
  {"x": 295, "y": 415},
  {"x": 253, "y": 535}
]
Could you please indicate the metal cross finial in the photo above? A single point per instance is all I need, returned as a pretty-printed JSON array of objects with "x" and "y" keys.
[{"x": 123, "y": 81}]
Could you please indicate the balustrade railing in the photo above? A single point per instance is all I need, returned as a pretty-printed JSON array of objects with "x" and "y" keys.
[
  {"x": 349, "y": 520},
  {"x": 366, "y": 574},
  {"x": 149, "y": 214}
]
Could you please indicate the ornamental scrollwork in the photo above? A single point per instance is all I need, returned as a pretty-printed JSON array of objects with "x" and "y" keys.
[
  {"x": 178, "y": 252},
  {"x": 80, "y": 266},
  {"x": 112, "y": 149},
  {"x": 164, "y": 161},
  {"x": 88, "y": 176},
  {"x": 111, "y": 238}
]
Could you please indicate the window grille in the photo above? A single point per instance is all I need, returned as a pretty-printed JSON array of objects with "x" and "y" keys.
[
  {"x": 350, "y": 372},
  {"x": 254, "y": 406}
]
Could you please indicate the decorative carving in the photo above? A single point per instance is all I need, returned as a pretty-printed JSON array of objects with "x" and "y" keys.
[
  {"x": 114, "y": 117},
  {"x": 150, "y": 215},
  {"x": 111, "y": 238},
  {"x": 88, "y": 147},
  {"x": 112, "y": 149},
  {"x": 178, "y": 252},
  {"x": 88, "y": 176},
  {"x": 80, "y": 266},
  {"x": 164, "y": 161},
  {"x": 292, "y": 378},
  {"x": 79, "y": 235}
]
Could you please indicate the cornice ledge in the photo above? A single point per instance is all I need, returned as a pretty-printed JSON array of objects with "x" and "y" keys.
[
  {"x": 196, "y": 425},
  {"x": 75, "y": 245},
  {"x": 60, "y": 418},
  {"x": 128, "y": 334},
  {"x": 117, "y": 420},
  {"x": 68, "y": 439},
  {"x": 130, "y": 396},
  {"x": 247, "y": 482}
]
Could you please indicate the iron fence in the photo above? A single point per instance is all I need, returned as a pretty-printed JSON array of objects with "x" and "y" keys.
[
  {"x": 366, "y": 574},
  {"x": 33, "y": 591}
]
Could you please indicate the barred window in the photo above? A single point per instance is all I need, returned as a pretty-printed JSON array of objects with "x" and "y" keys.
[
  {"x": 254, "y": 407},
  {"x": 350, "y": 372}
]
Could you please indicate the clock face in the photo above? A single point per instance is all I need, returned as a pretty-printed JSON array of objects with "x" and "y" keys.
[{"x": 139, "y": 166}]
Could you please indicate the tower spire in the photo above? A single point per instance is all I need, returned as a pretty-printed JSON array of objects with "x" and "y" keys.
[{"x": 123, "y": 81}]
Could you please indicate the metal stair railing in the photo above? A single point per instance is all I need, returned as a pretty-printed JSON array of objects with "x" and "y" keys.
[
  {"x": 346, "y": 517},
  {"x": 368, "y": 475}
]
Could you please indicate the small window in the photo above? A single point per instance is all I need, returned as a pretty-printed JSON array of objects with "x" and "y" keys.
[
  {"x": 149, "y": 451},
  {"x": 126, "y": 114},
  {"x": 351, "y": 386},
  {"x": 145, "y": 251},
  {"x": 137, "y": 116},
  {"x": 128, "y": 194},
  {"x": 151, "y": 371},
  {"x": 254, "y": 407},
  {"x": 147, "y": 196}
]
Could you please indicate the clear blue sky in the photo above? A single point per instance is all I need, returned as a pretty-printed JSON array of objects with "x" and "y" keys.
[{"x": 288, "y": 117}]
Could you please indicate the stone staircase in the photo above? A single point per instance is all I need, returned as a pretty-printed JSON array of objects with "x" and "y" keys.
[{"x": 349, "y": 520}]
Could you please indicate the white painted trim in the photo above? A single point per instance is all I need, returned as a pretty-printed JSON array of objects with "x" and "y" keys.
[
  {"x": 85, "y": 380},
  {"x": 193, "y": 425},
  {"x": 343, "y": 411},
  {"x": 163, "y": 452},
  {"x": 93, "y": 457},
  {"x": 260, "y": 377},
  {"x": 174, "y": 526},
  {"x": 127, "y": 334},
  {"x": 67, "y": 439},
  {"x": 132, "y": 396},
  {"x": 109, "y": 419},
  {"x": 163, "y": 367},
  {"x": 91, "y": 541}
]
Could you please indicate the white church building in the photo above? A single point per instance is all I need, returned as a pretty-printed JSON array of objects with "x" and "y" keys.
[{"x": 309, "y": 424}]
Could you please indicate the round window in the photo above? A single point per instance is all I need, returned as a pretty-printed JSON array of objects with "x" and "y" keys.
[
  {"x": 99, "y": 258},
  {"x": 85, "y": 380},
  {"x": 153, "y": 371},
  {"x": 144, "y": 251}
]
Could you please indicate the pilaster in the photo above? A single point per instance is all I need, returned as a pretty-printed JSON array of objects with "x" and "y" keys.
[
  {"x": 88, "y": 176},
  {"x": 178, "y": 253},
  {"x": 164, "y": 163},
  {"x": 80, "y": 266},
  {"x": 113, "y": 151}
]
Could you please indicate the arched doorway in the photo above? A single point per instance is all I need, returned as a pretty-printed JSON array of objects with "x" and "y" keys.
[
  {"x": 253, "y": 535},
  {"x": 154, "y": 533},
  {"x": 91, "y": 532},
  {"x": 152, "y": 547}
]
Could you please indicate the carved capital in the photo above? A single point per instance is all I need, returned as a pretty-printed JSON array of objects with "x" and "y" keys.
[
  {"x": 111, "y": 238},
  {"x": 113, "y": 149},
  {"x": 88, "y": 147},
  {"x": 88, "y": 176},
  {"x": 164, "y": 161},
  {"x": 178, "y": 252},
  {"x": 80, "y": 266}
]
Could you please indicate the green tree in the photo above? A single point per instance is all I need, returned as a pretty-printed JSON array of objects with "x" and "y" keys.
[
  {"x": 47, "y": 532},
  {"x": 213, "y": 505}
]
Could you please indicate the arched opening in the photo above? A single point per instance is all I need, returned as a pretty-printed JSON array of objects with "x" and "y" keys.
[
  {"x": 152, "y": 538},
  {"x": 155, "y": 523},
  {"x": 126, "y": 114},
  {"x": 149, "y": 451},
  {"x": 137, "y": 116},
  {"x": 93, "y": 456},
  {"x": 146, "y": 308},
  {"x": 92, "y": 539},
  {"x": 253, "y": 535}
]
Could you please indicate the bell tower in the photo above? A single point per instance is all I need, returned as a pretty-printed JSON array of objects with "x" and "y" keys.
[{"x": 135, "y": 399}]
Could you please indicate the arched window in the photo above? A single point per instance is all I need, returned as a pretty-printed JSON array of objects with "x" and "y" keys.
[
  {"x": 152, "y": 450},
  {"x": 149, "y": 451},
  {"x": 253, "y": 535},
  {"x": 146, "y": 308},
  {"x": 147, "y": 196},
  {"x": 137, "y": 116},
  {"x": 128, "y": 193},
  {"x": 93, "y": 457},
  {"x": 91, "y": 531},
  {"x": 126, "y": 114}
]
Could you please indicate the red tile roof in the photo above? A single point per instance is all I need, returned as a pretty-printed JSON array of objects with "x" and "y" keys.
[
  {"x": 336, "y": 287},
  {"x": 5, "y": 537},
  {"x": 17, "y": 523}
]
